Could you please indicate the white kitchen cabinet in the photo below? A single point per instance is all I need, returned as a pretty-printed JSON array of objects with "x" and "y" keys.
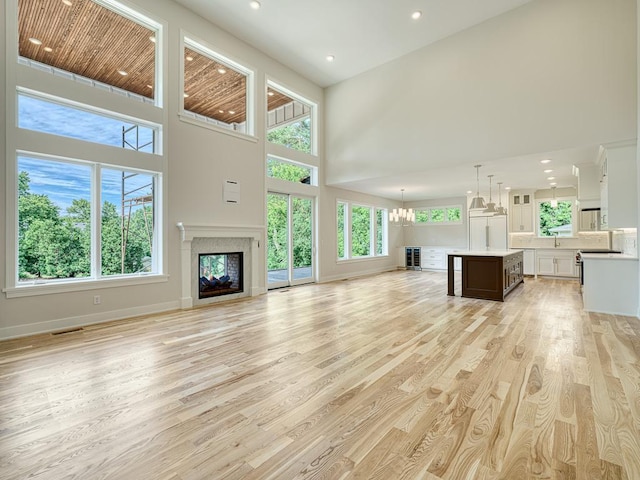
[
  {"x": 618, "y": 187},
  {"x": 610, "y": 284},
  {"x": 488, "y": 233},
  {"x": 435, "y": 258},
  {"x": 556, "y": 263},
  {"x": 590, "y": 220},
  {"x": 521, "y": 212},
  {"x": 529, "y": 261}
]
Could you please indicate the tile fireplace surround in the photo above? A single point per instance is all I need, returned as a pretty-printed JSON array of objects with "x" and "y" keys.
[{"x": 193, "y": 236}]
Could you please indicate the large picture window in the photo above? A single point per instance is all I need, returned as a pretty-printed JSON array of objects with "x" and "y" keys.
[{"x": 56, "y": 226}]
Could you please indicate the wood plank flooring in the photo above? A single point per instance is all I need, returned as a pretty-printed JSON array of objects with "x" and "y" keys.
[{"x": 383, "y": 377}]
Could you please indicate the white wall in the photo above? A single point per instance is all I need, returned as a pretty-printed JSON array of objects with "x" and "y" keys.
[
  {"x": 546, "y": 76},
  {"x": 199, "y": 160}
]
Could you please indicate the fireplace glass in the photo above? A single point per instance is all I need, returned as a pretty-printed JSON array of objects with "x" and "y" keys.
[{"x": 219, "y": 274}]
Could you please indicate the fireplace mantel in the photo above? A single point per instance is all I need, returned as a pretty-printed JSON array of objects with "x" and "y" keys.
[{"x": 188, "y": 232}]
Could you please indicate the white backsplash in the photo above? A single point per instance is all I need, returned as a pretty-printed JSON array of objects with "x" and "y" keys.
[
  {"x": 582, "y": 240},
  {"x": 626, "y": 241}
]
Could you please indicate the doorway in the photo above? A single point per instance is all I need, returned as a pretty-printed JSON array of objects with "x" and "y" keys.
[{"x": 290, "y": 245}]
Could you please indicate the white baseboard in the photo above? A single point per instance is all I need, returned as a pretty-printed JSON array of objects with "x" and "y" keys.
[
  {"x": 83, "y": 320},
  {"x": 373, "y": 271}
]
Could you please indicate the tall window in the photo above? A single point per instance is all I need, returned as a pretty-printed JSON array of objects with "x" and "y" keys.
[
  {"x": 361, "y": 231},
  {"x": 289, "y": 120},
  {"x": 216, "y": 89},
  {"x": 88, "y": 40},
  {"x": 555, "y": 221},
  {"x": 342, "y": 230},
  {"x": 85, "y": 175}
]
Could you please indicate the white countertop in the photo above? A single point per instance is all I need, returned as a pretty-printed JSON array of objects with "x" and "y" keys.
[
  {"x": 608, "y": 256},
  {"x": 483, "y": 253}
]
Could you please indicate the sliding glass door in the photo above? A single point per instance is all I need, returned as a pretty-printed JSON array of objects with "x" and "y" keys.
[{"x": 290, "y": 246}]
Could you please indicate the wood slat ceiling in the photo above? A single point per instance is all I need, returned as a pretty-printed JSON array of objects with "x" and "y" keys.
[
  {"x": 89, "y": 40},
  {"x": 92, "y": 41}
]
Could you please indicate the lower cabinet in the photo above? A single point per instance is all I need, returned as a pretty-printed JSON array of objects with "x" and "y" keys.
[
  {"x": 556, "y": 263},
  {"x": 529, "y": 262}
]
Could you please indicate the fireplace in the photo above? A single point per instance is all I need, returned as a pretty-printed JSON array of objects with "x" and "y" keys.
[
  {"x": 199, "y": 240},
  {"x": 220, "y": 274}
]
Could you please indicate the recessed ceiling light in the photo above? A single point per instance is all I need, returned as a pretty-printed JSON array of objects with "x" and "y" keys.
[
  {"x": 416, "y": 15},
  {"x": 220, "y": 111},
  {"x": 271, "y": 94},
  {"x": 331, "y": 58},
  {"x": 152, "y": 38},
  {"x": 48, "y": 49},
  {"x": 255, "y": 4},
  {"x": 232, "y": 112},
  {"x": 469, "y": 192},
  {"x": 189, "y": 58},
  {"x": 551, "y": 178},
  {"x": 545, "y": 161},
  {"x": 123, "y": 73},
  {"x": 149, "y": 86},
  {"x": 507, "y": 188},
  {"x": 35, "y": 41},
  {"x": 553, "y": 183},
  {"x": 185, "y": 95},
  {"x": 548, "y": 170},
  {"x": 222, "y": 71},
  {"x": 67, "y": 2}
]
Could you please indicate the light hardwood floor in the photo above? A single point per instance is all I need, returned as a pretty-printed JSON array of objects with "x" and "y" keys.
[{"x": 382, "y": 377}]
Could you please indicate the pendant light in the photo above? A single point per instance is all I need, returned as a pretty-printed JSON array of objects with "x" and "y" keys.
[
  {"x": 402, "y": 216},
  {"x": 500, "y": 210},
  {"x": 491, "y": 207},
  {"x": 478, "y": 201},
  {"x": 554, "y": 202}
]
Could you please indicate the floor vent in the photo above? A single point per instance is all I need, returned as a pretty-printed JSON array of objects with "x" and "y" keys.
[{"x": 64, "y": 332}]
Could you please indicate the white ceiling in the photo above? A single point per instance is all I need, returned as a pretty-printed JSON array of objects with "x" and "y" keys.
[{"x": 363, "y": 34}]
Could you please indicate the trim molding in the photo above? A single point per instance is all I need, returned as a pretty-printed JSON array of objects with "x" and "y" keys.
[{"x": 84, "y": 320}]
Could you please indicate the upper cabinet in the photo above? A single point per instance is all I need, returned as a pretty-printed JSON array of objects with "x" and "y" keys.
[
  {"x": 521, "y": 206},
  {"x": 589, "y": 176},
  {"x": 618, "y": 186}
]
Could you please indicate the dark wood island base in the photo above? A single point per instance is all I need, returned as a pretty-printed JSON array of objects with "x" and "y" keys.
[{"x": 487, "y": 275}]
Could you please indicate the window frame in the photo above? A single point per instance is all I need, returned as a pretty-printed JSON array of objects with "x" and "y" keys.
[
  {"x": 574, "y": 215},
  {"x": 132, "y": 14},
  {"x": 313, "y": 170},
  {"x": 34, "y": 143},
  {"x": 373, "y": 231},
  {"x": 204, "y": 48},
  {"x": 446, "y": 221},
  {"x": 313, "y": 115}
]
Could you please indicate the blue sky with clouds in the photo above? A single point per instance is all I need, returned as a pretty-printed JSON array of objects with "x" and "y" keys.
[{"x": 63, "y": 182}]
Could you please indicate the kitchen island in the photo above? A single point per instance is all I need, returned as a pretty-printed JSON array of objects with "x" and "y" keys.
[{"x": 487, "y": 274}]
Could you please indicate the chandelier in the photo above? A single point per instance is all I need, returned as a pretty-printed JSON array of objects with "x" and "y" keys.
[{"x": 402, "y": 216}]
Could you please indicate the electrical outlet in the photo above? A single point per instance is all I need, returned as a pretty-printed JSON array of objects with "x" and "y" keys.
[{"x": 96, "y": 299}]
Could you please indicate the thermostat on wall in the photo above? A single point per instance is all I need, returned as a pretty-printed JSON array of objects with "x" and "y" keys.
[{"x": 231, "y": 191}]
